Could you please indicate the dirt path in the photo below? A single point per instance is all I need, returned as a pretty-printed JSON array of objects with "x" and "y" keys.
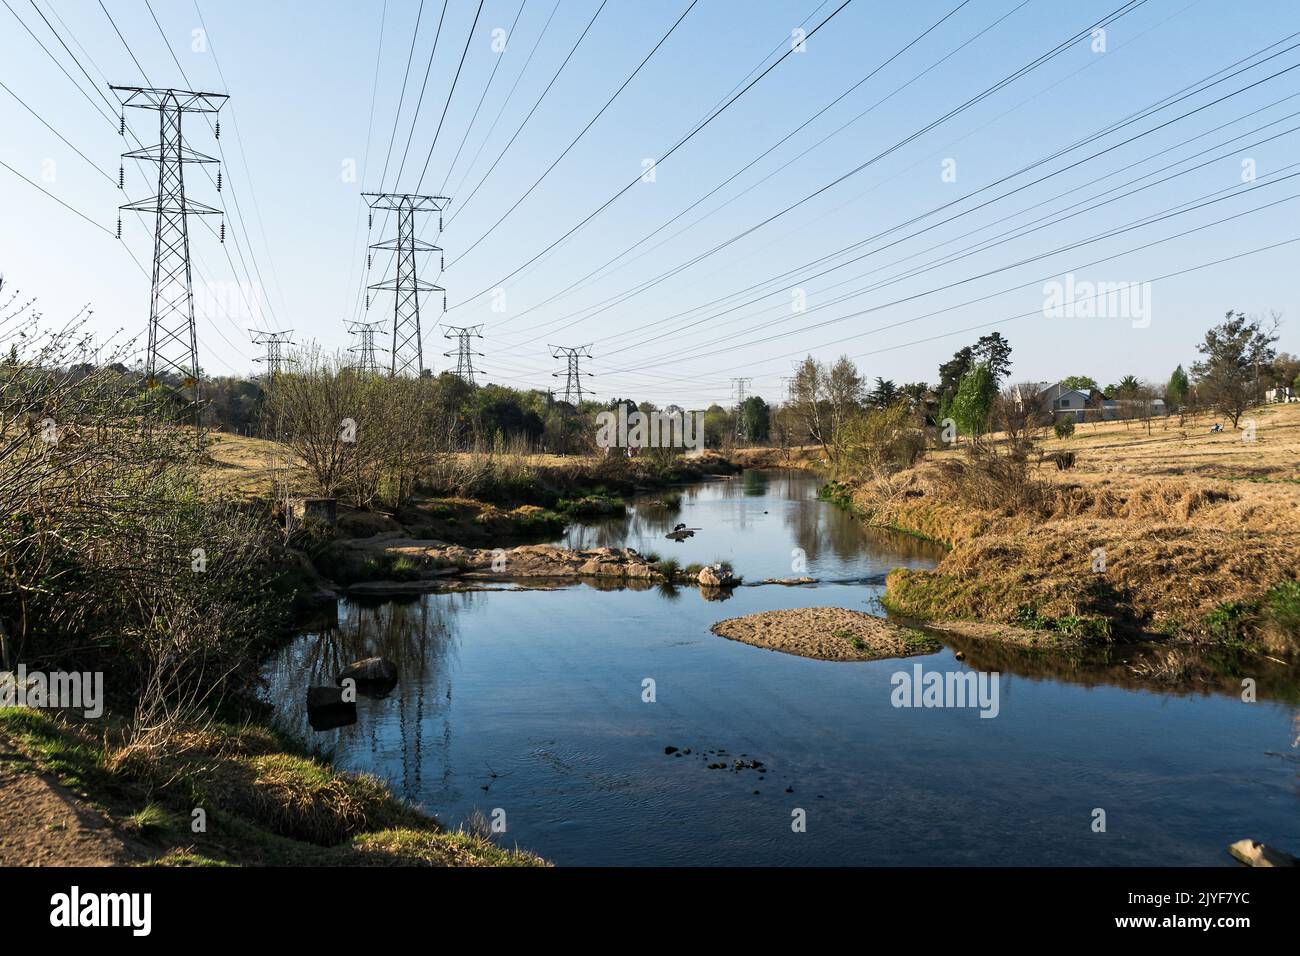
[{"x": 43, "y": 824}]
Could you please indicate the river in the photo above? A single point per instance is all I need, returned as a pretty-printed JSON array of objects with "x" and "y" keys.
[{"x": 551, "y": 710}]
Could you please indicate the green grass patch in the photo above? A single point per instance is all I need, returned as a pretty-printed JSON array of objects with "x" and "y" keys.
[
  {"x": 668, "y": 568},
  {"x": 267, "y": 802},
  {"x": 592, "y": 506}
]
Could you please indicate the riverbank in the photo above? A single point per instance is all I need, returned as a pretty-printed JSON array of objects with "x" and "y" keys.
[
  {"x": 219, "y": 795},
  {"x": 1177, "y": 533}
]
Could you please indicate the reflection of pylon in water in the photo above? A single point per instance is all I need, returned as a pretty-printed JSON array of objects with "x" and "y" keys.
[
  {"x": 464, "y": 354},
  {"x": 573, "y": 374}
]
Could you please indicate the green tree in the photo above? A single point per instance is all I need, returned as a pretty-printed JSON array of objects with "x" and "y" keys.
[
  {"x": 1080, "y": 383},
  {"x": 974, "y": 401},
  {"x": 755, "y": 417},
  {"x": 995, "y": 352},
  {"x": 1234, "y": 353},
  {"x": 915, "y": 391},
  {"x": 884, "y": 394},
  {"x": 950, "y": 373},
  {"x": 717, "y": 426},
  {"x": 1179, "y": 387}
]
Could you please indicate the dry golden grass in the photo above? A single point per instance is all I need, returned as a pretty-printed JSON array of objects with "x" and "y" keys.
[
  {"x": 1188, "y": 521},
  {"x": 246, "y": 466}
]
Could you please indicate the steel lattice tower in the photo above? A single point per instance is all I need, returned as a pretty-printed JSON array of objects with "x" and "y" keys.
[
  {"x": 740, "y": 384},
  {"x": 367, "y": 362},
  {"x": 275, "y": 343},
  {"x": 573, "y": 375},
  {"x": 407, "y": 353},
  {"x": 173, "y": 343},
  {"x": 464, "y": 354}
]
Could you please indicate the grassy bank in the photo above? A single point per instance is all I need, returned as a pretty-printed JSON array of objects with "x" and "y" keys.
[
  {"x": 261, "y": 800},
  {"x": 1178, "y": 532}
]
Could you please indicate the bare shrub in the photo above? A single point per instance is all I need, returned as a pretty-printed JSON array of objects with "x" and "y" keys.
[
  {"x": 368, "y": 438},
  {"x": 113, "y": 556},
  {"x": 988, "y": 481},
  {"x": 882, "y": 441}
]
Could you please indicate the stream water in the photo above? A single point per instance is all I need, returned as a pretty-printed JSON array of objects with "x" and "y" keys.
[{"x": 530, "y": 705}]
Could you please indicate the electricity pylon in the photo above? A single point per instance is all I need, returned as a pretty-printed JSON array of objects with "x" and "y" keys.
[
  {"x": 407, "y": 353},
  {"x": 367, "y": 362},
  {"x": 740, "y": 384},
  {"x": 464, "y": 354},
  {"x": 573, "y": 375},
  {"x": 173, "y": 342},
  {"x": 274, "y": 359}
]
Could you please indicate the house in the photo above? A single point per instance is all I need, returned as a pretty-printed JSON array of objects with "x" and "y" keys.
[
  {"x": 1283, "y": 393},
  {"x": 1057, "y": 401}
]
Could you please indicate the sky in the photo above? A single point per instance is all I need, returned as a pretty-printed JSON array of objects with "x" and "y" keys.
[{"x": 689, "y": 190}]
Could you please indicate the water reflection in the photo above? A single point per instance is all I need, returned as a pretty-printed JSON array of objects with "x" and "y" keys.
[
  {"x": 1157, "y": 668},
  {"x": 531, "y": 699},
  {"x": 419, "y": 637},
  {"x": 767, "y": 523}
]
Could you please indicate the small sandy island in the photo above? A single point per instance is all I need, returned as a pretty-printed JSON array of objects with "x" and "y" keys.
[{"x": 828, "y": 634}]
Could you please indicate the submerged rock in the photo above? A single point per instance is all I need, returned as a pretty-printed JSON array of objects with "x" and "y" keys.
[
  {"x": 327, "y": 708},
  {"x": 370, "y": 670}
]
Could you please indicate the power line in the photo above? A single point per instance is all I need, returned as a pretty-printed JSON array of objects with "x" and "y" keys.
[
  {"x": 574, "y": 142},
  {"x": 70, "y": 209},
  {"x": 446, "y": 105},
  {"x": 788, "y": 136},
  {"x": 1162, "y": 103},
  {"x": 479, "y": 106},
  {"x": 1020, "y": 286},
  {"x": 38, "y": 116},
  {"x": 505, "y": 102},
  {"x": 1045, "y": 221},
  {"x": 415, "y": 118},
  {"x": 450, "y": 91},
  {"x": 365, "y": 163},
  {"x": 234, "y": 195},
  {"x": 402, "y": 98},
  {"x": 666, "y": 155},
  {"x": 1034, "y": 64},
  {"x": 546, "y": 89}
]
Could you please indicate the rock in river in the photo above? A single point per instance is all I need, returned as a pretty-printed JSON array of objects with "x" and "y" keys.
[{"x": 369, "y": 671}]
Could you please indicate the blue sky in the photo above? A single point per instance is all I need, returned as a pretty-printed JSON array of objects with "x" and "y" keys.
[{"x": 302, "y": 78}]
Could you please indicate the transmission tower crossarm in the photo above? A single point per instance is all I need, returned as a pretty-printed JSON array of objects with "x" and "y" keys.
[
  {"x": 397, "y": 201},
  {"x": 152, "y": 98}
]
